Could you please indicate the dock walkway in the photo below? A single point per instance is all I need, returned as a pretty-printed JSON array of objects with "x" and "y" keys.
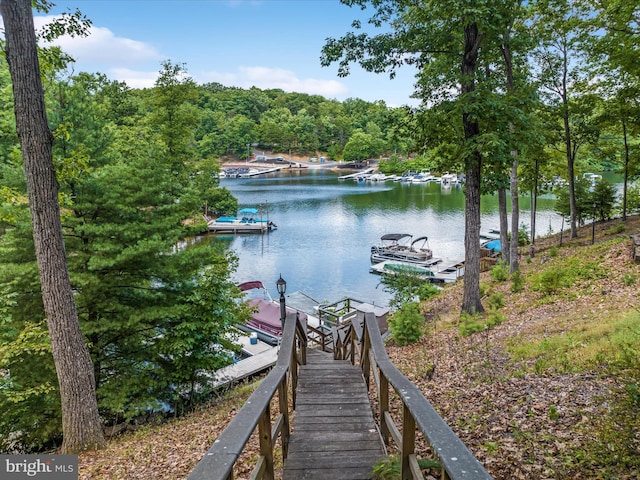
[{"x": 334, "y": 434}]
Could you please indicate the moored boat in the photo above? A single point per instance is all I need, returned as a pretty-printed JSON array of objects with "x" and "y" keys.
[
  {"x": 248, "y": 220},
  {"x": 440, "y": 271},
  {"x": 402, "y": 247}
]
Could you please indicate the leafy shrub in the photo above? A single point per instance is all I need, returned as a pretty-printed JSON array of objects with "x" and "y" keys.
[
  {"x": 523, "y": 235},
  {"x": 548, "y": 281},
  {"x": 517, "y": 281},
  {"x": 471, "y": 324},
  {"x": 390, "y": 469},
  {"x": 495, "y": 301},
  {"x": 427, "y": 291},
  {"x": 406, "y": 324},
  {"x": 616, "y": 229},
  {"x": 500, "y": 272},
  {"x": 493, "y": 319}
]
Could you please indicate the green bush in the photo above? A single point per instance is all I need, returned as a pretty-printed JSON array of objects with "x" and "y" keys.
[
  {"x": 495, "y": 301},
  {"x": 549, "y": 281},
  {"x": 406, "y": 324},
  {"x": 500, "y": 272},
  {"x": 517, "y": 281},
  {"x": 471, "y": 324}
]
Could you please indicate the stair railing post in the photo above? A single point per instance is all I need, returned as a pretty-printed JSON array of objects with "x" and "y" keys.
[
  {"x": 408, "y": 441},
  {"x": 383, "y": 402},
  {"x": 365, "y": 350},
  {"x": 266, "y": 444}
]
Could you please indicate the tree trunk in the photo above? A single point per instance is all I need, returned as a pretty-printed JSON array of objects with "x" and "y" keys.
[
  {"x": 515, "y": 215},
  {"x": 534, "y": 202},
  {"x": 473, "y": 168},
  {"x": 504, "y": 222},
  {"x": 80, "y": 419},
  {"x": 626, "y": 170},
  {"x": 512, "y": 256}
]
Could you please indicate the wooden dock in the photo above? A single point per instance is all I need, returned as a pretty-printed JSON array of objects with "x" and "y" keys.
[
  {"x": 354, "y": 175},
  {"x": 334, "y": 434}
]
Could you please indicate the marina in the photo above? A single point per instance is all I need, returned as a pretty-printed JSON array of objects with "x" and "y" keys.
[{"x": 326, "y": 228}]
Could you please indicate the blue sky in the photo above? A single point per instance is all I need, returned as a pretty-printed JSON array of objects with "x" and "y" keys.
[{"x": 241, "y": 43}]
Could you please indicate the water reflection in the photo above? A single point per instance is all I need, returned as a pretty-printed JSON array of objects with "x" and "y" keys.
[{"x": 326, "y": 227}]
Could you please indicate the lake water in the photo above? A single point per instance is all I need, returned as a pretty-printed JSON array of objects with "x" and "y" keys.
[{"x": 327, "y": 226}]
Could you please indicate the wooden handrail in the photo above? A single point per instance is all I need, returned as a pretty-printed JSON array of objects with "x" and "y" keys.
[
  {"x": 457, "y": 462},
  {"x": 218, "y": 462}
]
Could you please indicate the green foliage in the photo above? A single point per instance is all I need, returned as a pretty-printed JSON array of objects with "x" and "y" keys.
[
  {"x": 523, "y": 235},
  {"x": 629, "y": 279},
  {"x": 616, "y": 229},
  {"x": 495, "y": 301},
  {"x": 566, "y": 273},
  {"x": 408, "y": 287},
  {"x": 633, "y": 197},
  {"x": 500, "y": 272},
  {"x": 471, "y": 324},
  {"x": 391, "y": 469},
  {"x": 584, "y": 201},
  {"x": 517, "y": 281},
  {"x": 406, "y": 324},
  {"x": 598, "y": 201},
  {"x": 156, "y": 314},
  {"x": 549, "y": 281},
  {"x": 604, "y": 198}
]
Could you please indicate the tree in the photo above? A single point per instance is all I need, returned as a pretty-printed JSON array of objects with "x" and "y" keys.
[
  {"x": 443, "y": 41},
  {"x": 558, "y": 24},
  {"x": 80, "y": 419}
]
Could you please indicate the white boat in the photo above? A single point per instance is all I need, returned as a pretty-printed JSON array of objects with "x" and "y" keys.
[
  {"x": 377, "y": 177},
  {"x": 593, "y": 178},
  {"x": 402, "y": 247},
  {"x": 449, "y": 179},
  {"x": 440, "y": 271},
  {"x": 423, "y": 177},
  {"x": 407, "y": 177},
  {"x": 248, "y": 220}
]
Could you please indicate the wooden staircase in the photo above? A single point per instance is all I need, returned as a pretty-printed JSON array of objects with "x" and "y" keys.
[{"x": 334, "y": 435}]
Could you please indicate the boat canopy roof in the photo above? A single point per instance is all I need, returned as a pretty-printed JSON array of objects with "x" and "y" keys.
[
  {"x": 250, "y": 285},
  {"x": 252, "y": 211},
  {"x": 494, "y": 245},
  {"x": 420, "y": 239},
  {"x": 395, "y": 236}
]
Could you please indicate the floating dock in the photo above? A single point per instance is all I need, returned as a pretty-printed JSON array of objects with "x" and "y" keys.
[
  {"x": 440, "y": 270},
  {"x": 239, "y": 227},
  {"x": 354, "y": 175}
]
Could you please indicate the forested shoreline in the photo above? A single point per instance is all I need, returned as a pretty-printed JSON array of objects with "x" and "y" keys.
[{"x": 520, "y": 97}]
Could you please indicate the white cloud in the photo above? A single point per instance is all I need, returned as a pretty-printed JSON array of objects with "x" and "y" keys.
[
  {"x": 103, "y": 47},
  {"x": 133, "y": 78},
  {"x": 266, "y": 78}
]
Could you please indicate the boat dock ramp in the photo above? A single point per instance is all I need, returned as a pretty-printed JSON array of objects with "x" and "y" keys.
[
  {"x": 245, "y": 172},
  {"x": 260, "y": 348},
  {"x": 355, "y": 175}
]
